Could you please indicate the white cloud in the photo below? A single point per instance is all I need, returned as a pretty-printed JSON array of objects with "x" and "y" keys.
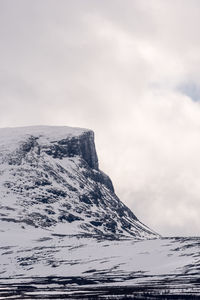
[{"x": 120, "y": 68}]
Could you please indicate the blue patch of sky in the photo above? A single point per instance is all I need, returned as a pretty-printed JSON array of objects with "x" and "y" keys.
[{"x": 190, "y": 89}]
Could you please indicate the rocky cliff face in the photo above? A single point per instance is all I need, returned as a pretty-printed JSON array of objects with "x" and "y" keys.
[{"x": 50, "y": 179}]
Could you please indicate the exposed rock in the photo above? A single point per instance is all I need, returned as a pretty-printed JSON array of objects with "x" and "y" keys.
[{"x": 50, "y": 176}]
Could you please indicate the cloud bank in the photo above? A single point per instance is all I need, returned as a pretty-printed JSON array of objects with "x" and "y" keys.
[{"x": 130, "y": 71}]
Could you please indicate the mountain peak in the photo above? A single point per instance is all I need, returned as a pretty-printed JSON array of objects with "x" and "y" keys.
[
  {"x": 61, "y": 141},
  {"x": 50, "y": 179}
]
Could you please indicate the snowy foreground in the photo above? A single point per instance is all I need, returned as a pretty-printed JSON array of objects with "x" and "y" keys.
[{"x": 46, "y": 265}]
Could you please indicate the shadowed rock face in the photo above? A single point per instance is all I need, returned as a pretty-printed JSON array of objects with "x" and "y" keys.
[
  {"x": 82, "y": 146},
  {"x": 50, "y": 177}
]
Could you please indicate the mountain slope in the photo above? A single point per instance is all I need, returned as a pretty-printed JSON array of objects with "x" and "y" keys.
[
  {"x": 64, "y": 233},
  {"x": 50, "y": 179}
]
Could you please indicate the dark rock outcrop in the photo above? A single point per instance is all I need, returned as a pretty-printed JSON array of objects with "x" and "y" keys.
[
  {"x": 82, "y": 146},
  {"x": 50, "y": 176}
]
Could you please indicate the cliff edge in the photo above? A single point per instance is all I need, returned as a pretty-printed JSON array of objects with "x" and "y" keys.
[{"x": 50, "y": 179}]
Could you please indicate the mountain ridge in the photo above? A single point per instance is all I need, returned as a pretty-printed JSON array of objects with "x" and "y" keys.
[{"x": 50, "y": 175}]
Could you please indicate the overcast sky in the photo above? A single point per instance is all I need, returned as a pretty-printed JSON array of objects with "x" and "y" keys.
[{"x": 129, "y": 70}]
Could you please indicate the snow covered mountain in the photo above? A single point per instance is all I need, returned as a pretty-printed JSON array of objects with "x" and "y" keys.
[
  {"x": 64, "y": 234},
  {"x": 50, "y": 179}
]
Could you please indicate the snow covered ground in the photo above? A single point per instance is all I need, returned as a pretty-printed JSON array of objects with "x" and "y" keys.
[{"x": 61, "y": 263}]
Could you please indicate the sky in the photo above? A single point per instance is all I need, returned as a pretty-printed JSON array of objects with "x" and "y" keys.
[{"x": 130, "y": 71}]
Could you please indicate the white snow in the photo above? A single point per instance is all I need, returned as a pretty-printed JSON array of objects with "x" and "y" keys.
[
  {"x": 10, "y": 136},
  {"x": 86, "y": 257}
]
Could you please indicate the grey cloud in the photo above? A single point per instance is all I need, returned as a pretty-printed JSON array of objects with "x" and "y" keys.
[{"x": 122, "y": 69}]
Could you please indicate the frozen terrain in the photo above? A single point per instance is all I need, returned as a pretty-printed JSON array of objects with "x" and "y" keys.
[
  {"x": 65, "y": 234},
  {"x": 60, "y": 266}
]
